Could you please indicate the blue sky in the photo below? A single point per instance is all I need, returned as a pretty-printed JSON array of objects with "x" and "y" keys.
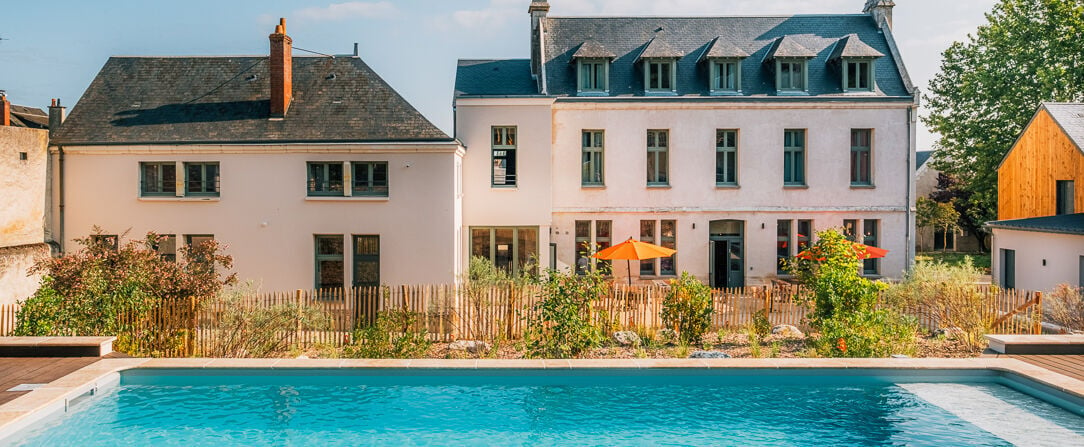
[{"x": 54, "y": 48}]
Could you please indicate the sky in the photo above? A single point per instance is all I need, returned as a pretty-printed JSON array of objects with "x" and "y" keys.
[{"x": 54, "y": 48}]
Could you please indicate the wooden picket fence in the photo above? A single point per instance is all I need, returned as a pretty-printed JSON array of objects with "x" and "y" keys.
[{"x": 448, "y": 312}]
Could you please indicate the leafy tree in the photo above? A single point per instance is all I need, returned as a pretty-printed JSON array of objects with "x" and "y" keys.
[
  {"x": 990, "y": 86},
  {"x": 687, "y": 308},
  {"x": 951, "y": 190},
  {"x": 562, "y": 324},
  {"x": 83, "y": 293},
  {"x": 943, "y": 216}
]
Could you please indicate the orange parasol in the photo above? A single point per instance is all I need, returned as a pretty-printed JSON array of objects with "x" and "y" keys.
[
  {"x": 861, "y": 251},
  {"x": 634, "y": 250}
]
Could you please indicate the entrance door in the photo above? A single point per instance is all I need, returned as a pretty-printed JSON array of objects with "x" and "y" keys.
[
  {"x": 727, "y": 254},
  {"x": 1008, "y": 269}
]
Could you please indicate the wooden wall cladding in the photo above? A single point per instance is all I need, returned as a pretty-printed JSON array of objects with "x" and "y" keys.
[{"x": 1026, "y": 179}]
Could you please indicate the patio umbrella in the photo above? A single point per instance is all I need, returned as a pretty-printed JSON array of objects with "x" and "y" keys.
[
  {"x": 861, "y": 251},
  {"x": 633, "y": 250}
]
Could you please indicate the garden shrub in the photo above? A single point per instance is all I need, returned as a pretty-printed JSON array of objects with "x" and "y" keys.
[
  {"x": 687, "y": 308},
  {"x": 844, "y": 304},
  {"x": 245, "y": 330},
  {"x": 394, "y": 335},
  {"x": 760, "y": 325},
  {"x": 1066, "y": 307},
  {"x": 947, "y": 294},
  {"x": 562, "y": 324}
]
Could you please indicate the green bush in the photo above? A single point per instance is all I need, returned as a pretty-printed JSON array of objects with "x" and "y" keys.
[
  {"x": 562, "y": 324},
  {"x": 687, "y": 308},
  {"x": 246, "y": 330},
  {"x": 947, "y": 294},
  {"x": 761, "y": 326},
  {"x": 394, "y": 335},
  {"x": 844, "y": 304}
]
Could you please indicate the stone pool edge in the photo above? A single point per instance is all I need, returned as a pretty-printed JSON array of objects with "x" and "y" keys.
[{"x": 55, "y": 396}]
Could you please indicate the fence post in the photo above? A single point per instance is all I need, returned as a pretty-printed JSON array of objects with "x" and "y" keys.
[
  {"x": 1038, "y": 325},
  {"x": 297, "y": 317}
]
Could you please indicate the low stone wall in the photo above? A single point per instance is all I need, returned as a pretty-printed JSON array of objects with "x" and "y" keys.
[{"x": 15, "y": 263}]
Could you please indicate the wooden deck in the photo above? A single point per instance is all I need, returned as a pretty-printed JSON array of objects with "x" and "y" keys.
[
  {"x": 24, "y": 370},
  {"x": 1068, "y": 365}
]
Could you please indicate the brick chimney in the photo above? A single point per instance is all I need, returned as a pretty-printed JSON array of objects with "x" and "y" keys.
[
  {"x": 5, "y": 109},
  {"x": 56, "y": 116},
  {"x": 880, "y": 9},
  {"x": 538, "y": 11},
  {"x": 282, "y": 72}
]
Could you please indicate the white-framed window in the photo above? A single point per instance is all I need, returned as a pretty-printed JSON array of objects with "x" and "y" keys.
[
  {"x": 660, "y": 76},
  {"x": 592, "y": 162},
  {"x": 725, "y": 76},
  {"x": 504, "y": 156},
  {"x": 794, "y": 157},
  {"x": 726, "y": 157},
  {"x": 858, "y": 75},
  {"x": 593, "y": 75},
  {"x": 791, "y": 75},
  {"x": 658, "y": 166}
]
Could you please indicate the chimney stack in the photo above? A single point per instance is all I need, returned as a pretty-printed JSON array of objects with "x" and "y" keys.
[
  {"x": 880, "y": 10},
  {"x": 538, "y": 11},
  {"x": 5, "y": 109},
  {"x": 281, "y": 62},
  {"x": 56, "y": 116}
]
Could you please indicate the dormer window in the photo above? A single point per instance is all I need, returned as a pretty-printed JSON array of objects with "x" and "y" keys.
[
  {"x": 790, "y": 61},
  {"x": 659, "y": 76},
  {"x": 790, "y": 75},
  {"x": 592, "y": 69},
  {"x": 856, "y": 63},
  {"x": 724, "y": 66},
  {"x": 594, "y": 75}
]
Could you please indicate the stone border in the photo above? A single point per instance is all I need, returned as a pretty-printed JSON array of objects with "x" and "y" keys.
[{"x": 55, "y": 396}]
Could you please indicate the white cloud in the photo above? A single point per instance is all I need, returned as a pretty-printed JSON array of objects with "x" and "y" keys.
[
  {"x": 699, "y": 7},
  {"x": 497, "y": 15},
  {"x": 348, "y": 10}
]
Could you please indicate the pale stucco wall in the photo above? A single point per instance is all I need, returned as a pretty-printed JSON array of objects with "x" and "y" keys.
[
  {"x": 526, "y": 204},
  {"x": 16, "y": 281},
  {"x": 22, "y": 186},
  {"x": 692, "y": 197},
  {"x": 264, "y": 216},
  {"x": 1061, "y": 252}
]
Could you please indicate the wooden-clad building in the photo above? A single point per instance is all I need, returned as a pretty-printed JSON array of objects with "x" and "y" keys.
[{"x": 1039, "y": 237}]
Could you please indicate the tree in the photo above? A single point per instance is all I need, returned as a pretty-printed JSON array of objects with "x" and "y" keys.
[
  {"x": 940, "y": 215},
  {"x": 950, "y": 190},
  {"x": 989, "y": 87}
]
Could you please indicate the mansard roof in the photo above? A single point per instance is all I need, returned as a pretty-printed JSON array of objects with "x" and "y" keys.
[{"x": 852, "y": 46}]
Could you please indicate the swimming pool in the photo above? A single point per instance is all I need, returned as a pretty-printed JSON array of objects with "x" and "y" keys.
[{"x": 611, "y": 406}]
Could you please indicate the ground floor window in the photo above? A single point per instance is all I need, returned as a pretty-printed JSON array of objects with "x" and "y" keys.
[
  {"x": 666, "y": 236},
  {"x": 592, "y": 237},
  {"x": 512, "y": 249},
  {"x": 871, "y": 237},
  {"x": 110, "y": 241},
  {"x": 329, "y": 261},
  {"x": 166, "y": 246},
  {"x": 647, "y": 234},
  {"x": 366, "y": 260}
]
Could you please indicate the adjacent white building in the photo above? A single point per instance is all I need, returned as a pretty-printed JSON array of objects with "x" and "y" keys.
[
  {"x": 731, "y": 139},
  {"x": 312, "y": 171}
]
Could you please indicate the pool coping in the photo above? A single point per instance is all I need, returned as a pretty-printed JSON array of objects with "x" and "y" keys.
[{"x": 56, "y": 395}]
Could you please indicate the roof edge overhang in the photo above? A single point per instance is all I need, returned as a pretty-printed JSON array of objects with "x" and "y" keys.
[{"x": 249, "y": 142}]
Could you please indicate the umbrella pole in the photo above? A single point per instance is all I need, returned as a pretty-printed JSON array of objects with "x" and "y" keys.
[{"x": 628, "y": 265}]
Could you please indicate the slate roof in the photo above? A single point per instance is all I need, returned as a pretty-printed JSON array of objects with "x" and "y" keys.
[
  {"x": 722, "y": 48},
  {"x": 852, "y": 46},
  {"x": 502, "y": 77},
  {"x": 1063, "y": 224},
  {"x": 32, "y": 117},
  {"x": 921, "y": 157},
  {"x": 166, "y": 100},
  {"x": 627, "y": 37},
  {"x": 591, "y": 49},
  {"x": 1070, "y": 116},
  {"x": 658, "y": 48},
  {"x": 788, "y": 46}
]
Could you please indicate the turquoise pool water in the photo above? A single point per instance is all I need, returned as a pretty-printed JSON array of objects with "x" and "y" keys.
[{"x": 303, "y": 408}]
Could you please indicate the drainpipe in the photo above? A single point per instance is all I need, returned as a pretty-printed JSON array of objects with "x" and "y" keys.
[
  {"x": 909, "y": 249},
  {"x": 60, "y": 210}
]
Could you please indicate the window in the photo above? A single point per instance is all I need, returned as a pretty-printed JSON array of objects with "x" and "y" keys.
[
  {"x": 944, "y": 240},
  {"x": 657, "y": 154},
  {"x": 659, "y": 76},
  {"x": 511, "y": 249},
  {"x": 194, "y": 241},
  {"x": 725, "y": 76},
  {"x": 782, "y": 245},
  {"x": 1064, "y": 197},
  {"x": 668, "y": 239},
  {"x": 325, "y": 178},
  {"x": 201, "y": 179},
  {"x": 726, "y": 158},
  {"x": 329, "y": 261},
  {"x": 858, "y": 75},
  {"x": 860, "y": 157},
  {"x": 166, "y": 246},
  {"x": 592, "y": 174},
  {"x": 158, "y": 178},
  {"x": 109, "y": 241},
  {"x": 805, "y": 235},
  {"x": 587, "y": 246},
  {"x": 794, "y": 157},
  {"x": 370, "y": 178},
  {"x": 790, "y": 75},
  {"x": 366, "y": 260},
  {"x": 870, "y": 238},
  {"x": 850, "y": 229},
  {"x": 647, "y": 234},
  {"x": 593, "y": 75},
  {"x": 504, "y": 156}
]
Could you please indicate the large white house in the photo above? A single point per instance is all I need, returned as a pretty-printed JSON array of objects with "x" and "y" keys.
[
  {"x": 312, "y": 170},
  {"x": 731, "y": 139}
]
